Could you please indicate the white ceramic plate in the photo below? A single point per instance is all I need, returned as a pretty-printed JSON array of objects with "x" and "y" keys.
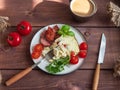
[{"x": 68, "y": 68}]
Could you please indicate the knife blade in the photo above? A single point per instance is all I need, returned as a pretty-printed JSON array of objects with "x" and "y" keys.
[
  {"x": 100, "y": 61},
  {"x": 102, "y": 49}
]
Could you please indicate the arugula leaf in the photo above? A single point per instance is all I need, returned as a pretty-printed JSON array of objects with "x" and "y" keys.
[{"x": 57, "y": 65}]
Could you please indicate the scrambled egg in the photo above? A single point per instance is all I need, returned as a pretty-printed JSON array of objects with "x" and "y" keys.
[
  {"x": 62, "y": 47},
  {"x": 45, "y": 51}
]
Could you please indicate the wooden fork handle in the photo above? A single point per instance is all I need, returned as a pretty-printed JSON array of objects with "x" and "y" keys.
[
  {"x": 96, "y": 77},
  {"x": 18, "y": 76}
]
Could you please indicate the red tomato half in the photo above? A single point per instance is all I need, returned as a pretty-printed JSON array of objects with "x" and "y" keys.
[
  {"x": 14, "y": 39},
  {"x": 38, "y": 47},
  {"x": 37, "y": 51},
  {"x": 24, "y": 28},
  {"x": 82, "y": 53},
  {"x": 83, "y": 46},
  {"x": 36, "y": 55}
]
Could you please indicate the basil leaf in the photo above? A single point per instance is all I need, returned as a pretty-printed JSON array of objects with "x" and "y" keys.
[
  {"x": 65, "y": 31},
  {"x": 60, "y": 32},
  {"x": 65, "y": 27},
  {"x": 70, "y": 33}
]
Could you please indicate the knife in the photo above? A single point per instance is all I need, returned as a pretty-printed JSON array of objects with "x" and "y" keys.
[{"x": 100, "y": 61}]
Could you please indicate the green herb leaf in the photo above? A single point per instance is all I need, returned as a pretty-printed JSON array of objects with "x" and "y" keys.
[
  {"x": 70, "y": 33},
  {"x": 65, "y": 27},
  {"x": 65, "y": 31},
  {"x": 57, "y": 65},
  {"x": 60, "y": 32}
]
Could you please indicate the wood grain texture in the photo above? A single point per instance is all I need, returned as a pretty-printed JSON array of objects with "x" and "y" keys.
[
  {"x": 81, "y": 79},
  {"x": 18, "y": 76},
  {"x": 43, "y": 12},
  {"x": 19, "y": 57}
]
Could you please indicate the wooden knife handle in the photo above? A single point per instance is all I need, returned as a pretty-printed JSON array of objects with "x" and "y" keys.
[
  {"x": 18, "y": 76},
  {"x": 96, "y": 77}
]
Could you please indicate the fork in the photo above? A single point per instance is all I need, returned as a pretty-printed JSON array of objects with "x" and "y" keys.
[{"x": 21, "y": 74}]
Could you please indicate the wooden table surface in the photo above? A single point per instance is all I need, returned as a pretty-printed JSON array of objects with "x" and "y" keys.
[{"x": 44, "y": 12}]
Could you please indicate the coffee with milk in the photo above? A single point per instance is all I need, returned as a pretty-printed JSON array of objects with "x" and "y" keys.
[{"x": 82, "y": 7}]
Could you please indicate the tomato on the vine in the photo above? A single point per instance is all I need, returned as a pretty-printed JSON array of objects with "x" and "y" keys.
[
  {"x": 82, "y": 53},
  {"x": 24, "y": 28},
  {"x": 14, "y": 39},
  {"x": 83, "y": 46}
]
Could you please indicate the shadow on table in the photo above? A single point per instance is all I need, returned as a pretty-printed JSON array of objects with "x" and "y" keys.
[{"x": 51, "y": 12}]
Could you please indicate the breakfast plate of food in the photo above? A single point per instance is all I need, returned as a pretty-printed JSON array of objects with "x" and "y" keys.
[{"x": 68, "y": 46}]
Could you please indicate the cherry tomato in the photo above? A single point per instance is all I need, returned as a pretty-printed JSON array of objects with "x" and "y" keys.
[
  {"x": 74, "y": 60},
  {"x": 24, "y": 28},
  {"x": 36, "y": 55},
  {"x": 83, "y": 46},
  {"x": 14, "y": 39},
  {"x": 72, "y": 53},
  {"x": 37, "y": 51},
  {"x": 82, "y": 53},
  {"x": 38, "y": 47}
]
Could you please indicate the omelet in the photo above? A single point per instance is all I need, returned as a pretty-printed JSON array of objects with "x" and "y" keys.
[{"x": 64, "y": 45}]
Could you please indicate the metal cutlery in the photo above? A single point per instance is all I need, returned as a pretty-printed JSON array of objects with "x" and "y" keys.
[
  {"x": 100, "y": 61},
  {"x": 18, "y": 76}
]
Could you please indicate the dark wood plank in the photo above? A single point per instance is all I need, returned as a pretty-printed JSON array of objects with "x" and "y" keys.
[
  {"x": 80, "y": 79},
  {"x": 19, "y": 57},
  {"x": 41, "y": 13},
  {"x": 112, "y": 48}
]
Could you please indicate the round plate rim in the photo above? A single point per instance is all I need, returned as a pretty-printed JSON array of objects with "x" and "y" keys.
[{"x": 43, "y": 28}]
